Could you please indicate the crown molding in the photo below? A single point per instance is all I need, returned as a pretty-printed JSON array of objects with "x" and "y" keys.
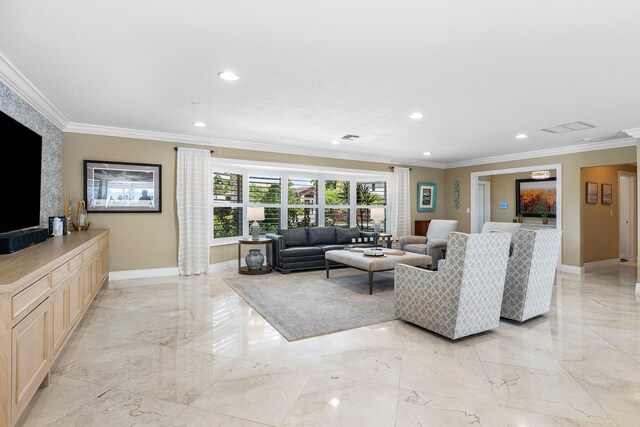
[
  {"x": 634, "y": 133},
  {"x": 241, "y": 145},
  {"x": 571, "y": 149},
  {"x": 18, "y": 83}
]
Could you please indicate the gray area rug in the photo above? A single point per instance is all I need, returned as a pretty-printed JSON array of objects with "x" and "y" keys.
[{"x": 307, "y": 304}]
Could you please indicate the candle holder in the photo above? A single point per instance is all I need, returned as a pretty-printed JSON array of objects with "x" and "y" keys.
[{"x": 82, "y": 218}]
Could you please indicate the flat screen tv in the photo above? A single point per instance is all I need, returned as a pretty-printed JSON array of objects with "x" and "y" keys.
[{"x": 20, "y": 177}]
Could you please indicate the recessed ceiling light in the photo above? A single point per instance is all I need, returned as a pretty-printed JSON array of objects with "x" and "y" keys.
[
  {"x": 335, "y": 142},
  {"x": 426, "y": 153},
  {"x": 522, "y": 136},
  {"x": 416, "y": 116},
  {"x": 228, "y": 75},
  {"x": 199, "y": 124}
]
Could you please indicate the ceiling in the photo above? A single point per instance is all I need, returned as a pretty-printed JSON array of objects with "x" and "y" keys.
[{"x": 312, "y": 71}]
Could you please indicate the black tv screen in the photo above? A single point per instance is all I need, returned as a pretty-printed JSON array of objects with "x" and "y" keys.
[{"x": 20, "y": 176}]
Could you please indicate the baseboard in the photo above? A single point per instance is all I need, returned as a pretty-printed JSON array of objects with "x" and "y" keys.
[
  {"x": 597, "y": 265},
  {"x": 571, "y": 269},
  {"x": 140, "y": 274},
  {"x": 163, "y": 272}
]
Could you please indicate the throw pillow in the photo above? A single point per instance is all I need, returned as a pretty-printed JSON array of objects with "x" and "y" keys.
[
  {"x": 344, "y": 236},
  {"x": 322, "y": 236},
  {"x": 295, "y": 236}
]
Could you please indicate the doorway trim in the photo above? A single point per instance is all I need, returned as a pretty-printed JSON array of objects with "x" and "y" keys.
[
  {"x": 474, "y": 190},
  {"x": 632, "y": 256},
  {"x": 487, "y": 198}
]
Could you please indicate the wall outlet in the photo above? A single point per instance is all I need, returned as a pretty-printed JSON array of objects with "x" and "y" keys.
[{"x": 468, "y": 210}]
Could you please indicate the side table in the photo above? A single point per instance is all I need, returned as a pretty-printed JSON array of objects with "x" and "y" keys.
[
  {"x": 265, "y": 268},
  {"x": 387, "y": 239}
]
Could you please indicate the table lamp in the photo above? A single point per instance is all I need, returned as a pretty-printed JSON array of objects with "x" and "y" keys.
[
  {"x": 377, "y": 215},
  {"x": 255, "y": 214}
]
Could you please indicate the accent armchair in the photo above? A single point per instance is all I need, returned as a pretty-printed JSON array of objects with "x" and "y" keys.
[
  {"x": 531, "y": 273},
  {"x": 465, "y": 296},
  {"x": 433, "y": 243}
]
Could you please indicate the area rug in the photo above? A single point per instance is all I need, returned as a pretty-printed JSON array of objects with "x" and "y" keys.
[{"x": 307, "y": 304}]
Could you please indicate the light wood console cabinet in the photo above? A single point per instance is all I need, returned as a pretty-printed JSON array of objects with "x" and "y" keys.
[{"x": 44, "y": 292}]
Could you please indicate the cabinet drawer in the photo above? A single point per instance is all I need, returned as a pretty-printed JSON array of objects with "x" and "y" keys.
[
  {"x": 90, "y": 251},
  {"x": 66, "y": 268},
  {"x": 29, "y": 297}
]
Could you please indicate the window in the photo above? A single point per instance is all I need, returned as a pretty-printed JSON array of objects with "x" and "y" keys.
[
  {"x": 227, "y": 205},
  {"x": 292, "y": 199},
  {"x": 370, "y": 194},
  {"x": 302, "y": 203},
  {"x": 337, "y": 193},
  {"x": 265, "y": 191}
]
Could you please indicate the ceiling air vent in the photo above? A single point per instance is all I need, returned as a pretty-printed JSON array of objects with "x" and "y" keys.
[
  {"x": 569, "y": 127},
  {"x": 350, "y": 137}
]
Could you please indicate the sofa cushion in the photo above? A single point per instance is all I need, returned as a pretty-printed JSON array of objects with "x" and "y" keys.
[
  {"x": 345, "y": 235},
  {"x": 327, "y": 248},
  {"x": 301, "y": 251},
  {"x": 417, "y": 248},
  {"x": 322, "y": 235},
  {"x": 295, "y": 236}
]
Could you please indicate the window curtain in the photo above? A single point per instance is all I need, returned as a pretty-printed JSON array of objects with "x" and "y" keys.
[
  {"x": 195, "y": 219},
  {"x": 400, "y": 209}
]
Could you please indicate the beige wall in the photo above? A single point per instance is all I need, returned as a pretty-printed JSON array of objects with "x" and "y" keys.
[
  {"x": 503, "y": 190},
  {"x": 142, "y": 241},
  {"x": 571, "y": 190},
  {"x": 601, "y": 223}
]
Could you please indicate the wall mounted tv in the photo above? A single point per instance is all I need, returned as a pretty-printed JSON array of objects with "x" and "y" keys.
[{"x": 20, "y": 176}]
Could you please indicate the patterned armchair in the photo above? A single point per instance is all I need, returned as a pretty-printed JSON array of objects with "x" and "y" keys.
[
  {"x": 465, "y": 296},
  {"x": 530, "y": 274},
  {"x": 433, "y": 243}
]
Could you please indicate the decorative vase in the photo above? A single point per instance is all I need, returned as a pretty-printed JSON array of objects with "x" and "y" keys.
[
  {"x": 254, "y": 259},
  {"x": 545, "y": 220},
  {"x": 82, "y": 218}
]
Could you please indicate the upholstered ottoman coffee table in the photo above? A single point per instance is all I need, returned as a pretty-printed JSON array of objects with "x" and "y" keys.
[{"x": 355, "y": 258}]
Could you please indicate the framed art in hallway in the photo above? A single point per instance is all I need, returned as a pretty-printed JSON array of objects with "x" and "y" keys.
[
  {"x": 427, "y": 197},
  {"x": 607, "y": 194},
  {"x": 592, "y": 193},
  {"x": 122, "y": 187}
]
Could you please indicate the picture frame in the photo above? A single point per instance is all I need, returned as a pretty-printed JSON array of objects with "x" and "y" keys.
[
  {"x": 427, "y": 196},
  {"x": 607, "y": 194},
  {"x": 592, "y": 193},
  {"x": 111, "y": 187},
  {"x": 536, "y": 197}
]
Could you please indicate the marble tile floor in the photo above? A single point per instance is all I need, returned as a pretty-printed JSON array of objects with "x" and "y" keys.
[{"x": 188, "y": 351}]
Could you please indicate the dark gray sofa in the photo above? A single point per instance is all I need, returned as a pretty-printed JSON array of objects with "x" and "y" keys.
[{"x": 304, "y": 248}]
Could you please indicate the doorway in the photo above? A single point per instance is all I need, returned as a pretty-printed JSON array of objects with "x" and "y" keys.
[
  {"x": 483, "y": 204},
  {"x": 627, "y": 197}
]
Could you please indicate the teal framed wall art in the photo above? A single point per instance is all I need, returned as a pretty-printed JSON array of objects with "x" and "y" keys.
[{"x": 427, "y": 192}]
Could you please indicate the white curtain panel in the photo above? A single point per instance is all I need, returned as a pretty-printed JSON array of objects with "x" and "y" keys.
[
  {"x": 194, "y": 198},
  {"x": 400, "y": 209}
]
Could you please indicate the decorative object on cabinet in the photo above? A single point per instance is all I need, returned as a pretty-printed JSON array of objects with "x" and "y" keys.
[
  {"x": 592, "y": 193},
  {"x": 607, "y": 194},
  {"x": 426, "y": 197},
  {"x": 82, "y": 218},
  {"x": 122, "y": 187},
  {"x": 535, "y": 196},
  {"x": 456, "y": 194}
]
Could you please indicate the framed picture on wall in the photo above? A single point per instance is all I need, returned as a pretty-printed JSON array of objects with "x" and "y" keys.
[
  {"x": 607, "y": 194},
  {"x": 592, "y": 193},
  {"x": 122, "y": 187},
  {"x": 536, "y": 197},
  {"x": 427, "y": 197}
]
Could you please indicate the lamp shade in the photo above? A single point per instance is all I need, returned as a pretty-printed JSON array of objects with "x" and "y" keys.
[
  {"x": 377, "y": 214},
  {"x": 255, "y": 214}
]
